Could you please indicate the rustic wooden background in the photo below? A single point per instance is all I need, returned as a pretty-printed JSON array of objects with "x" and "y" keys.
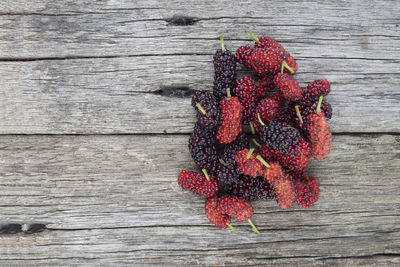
[{"x": 95, "y": 115}]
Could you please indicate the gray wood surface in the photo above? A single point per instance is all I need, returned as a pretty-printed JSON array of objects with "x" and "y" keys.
[
  {"x": 114, "y": 200},
  {"x": 94, "y": 121}
]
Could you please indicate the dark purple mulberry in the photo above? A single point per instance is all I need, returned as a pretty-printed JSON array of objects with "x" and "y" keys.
[
  {"x": 206, "y": 108},
  {"x": 225, "y": 71},
  {"x": 252, "y": 188},
  {"x": 202, "y": 148},
  {"x": 281, "y": 137}
]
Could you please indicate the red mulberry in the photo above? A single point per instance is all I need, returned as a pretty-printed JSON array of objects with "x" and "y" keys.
[
  {"x": 198, "y": 183},
  {"x": 307, "y": 191},
  {"x": 264, "y": 85},
  {"x": 314, "y": 90},
  {"x": 288, "y": 86},
  {"x": 285, "y": 194},
  {"x": 236, "y": 207},
  {"x": 246, "y": 92},
  {"x": 274, "y": 172},
  {"x": 231, "y": 120},
  {"x": 248, "y": 165},
  {"x": 220, "y": 220},
  {"x": 320, "y": 136}
]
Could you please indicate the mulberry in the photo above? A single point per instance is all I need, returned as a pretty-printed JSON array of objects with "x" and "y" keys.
[
  {"x": 248, "y": 164},
  {"x": 252, "y": 188},
  {"x": 266, "y": 61},
  {"x": 264, "y": 85},
  {"x": 231, "y": 119},
  {"x": 206, "y": 107},
  {"x": 231, "y": 149},
  {"x": 220, "y": 220},
  {"x": 246, "y": 92},
  {"x": 288, "y": 86},
  {"x": 320, "y": 136},
  {"x": 198, "y": 183},
  {"x": 281, "y": 137},
  {"x": 236, "y": 207},
  {"x": 314, "y": 90},
  {"x": 300, "y": 115},
  {"x": 267, "y": 42},
  {"x": 274, "y": 172},
  {"x": 227, "y": 174},
  {"x": 307, "y": 191},
  {"x": 225, "y": 71},
  {"x": 285, "y": 193},
  {"x": 202, "y": 148}
]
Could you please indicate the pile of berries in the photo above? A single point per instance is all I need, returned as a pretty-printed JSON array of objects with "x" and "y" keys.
[{"x": 254, "y": 137}]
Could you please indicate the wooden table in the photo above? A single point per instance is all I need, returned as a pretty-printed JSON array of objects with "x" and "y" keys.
[{"x": 95, "y": 116}]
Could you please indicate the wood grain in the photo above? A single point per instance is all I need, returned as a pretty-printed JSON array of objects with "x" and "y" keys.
[
  {"x": 112, "y": 53},
  {"x": 114, "y": 199},
  {"x": 127, "y": 95},
  {"x": 88, "y": 88}
]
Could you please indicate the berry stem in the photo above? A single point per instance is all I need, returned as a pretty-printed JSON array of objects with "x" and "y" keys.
[
  {"x": 254, "y": 37},
  {"x": 222, "y": 44},
  {"x": 233, "y": 228},
  {"x": 255, "y": 142},
  {"x": 228, "y": 93},
  {"x": 253, "y": 227},
  {"x": 252, "y": 128},
  {"x": 201, "y": 108},
  {"x": 206, "y": 174},
  {"x": 319, "y": 104},
  {"x": 291, "y": 169},
  {"x": 263, "y": 161},
  {"x": 298, "y": 113},
  {"x": 250, "y": 152},
  {"x": 259, "y": 119},
  {"x": 285, "y": 65}
]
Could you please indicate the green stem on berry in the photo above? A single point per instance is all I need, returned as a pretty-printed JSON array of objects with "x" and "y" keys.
[
  {"x": 298, "y": 113},
  {"x": 233, "y": 228},
  {"x": 259, "y": 119},
  {"x": 222, "y": 44},
  {"x": 206, "y": 174},
  {"x": 319, "y": 104},
  {"x": 228, "y": 93},
  {"x": 253, "y": 227},
  {"x": 250, "y": 152},
  {"x": 291, "y": 169},
  {"x": 285, "y": 65},
  {"x": 263, "y": 161},
  {"x": 254, "y": 37},
  {"x": 255, "y": 142},
  {"x": 201, "y": 108},
  {"x": 252, "y": 128}
]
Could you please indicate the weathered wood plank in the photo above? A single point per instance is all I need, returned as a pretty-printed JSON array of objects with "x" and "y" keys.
[
  {"x": 353, "y": 44},
  {"x": 360, "y": 29},
  {"x": 126, "y": 95},
  {"x": 114, "y": 200}
]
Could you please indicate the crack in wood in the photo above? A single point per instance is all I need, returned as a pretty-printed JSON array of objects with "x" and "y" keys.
[
  {"x": 182, "y": 20},
  {"x": 15, "y": 228},
  {"x": 175, "y": 91}
]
